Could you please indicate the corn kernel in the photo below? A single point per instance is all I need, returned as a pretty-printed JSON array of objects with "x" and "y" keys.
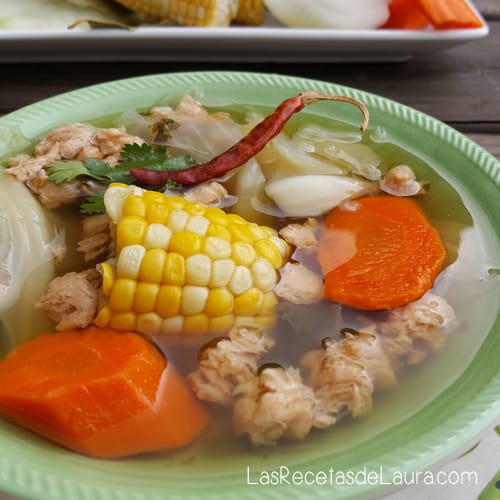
[
  {"x": 194, "y": 299},
  {"x": 177, "y": 220},
  {"x": 241, "y": 280},
  {"x": 269, "y": 251},
  {"x": 257, "y": 231},
  {"x": 145, "y": 297},
  {"x": 114, "y": 199},
  {"x": 175, "y": 202},
  {"x": 236, "y": 219},
  {"x": 122, "y": 295},
  {"x": 268, "y": 304},
  {"x": 156, "y": 213},
  {"x": 149, "y": 323},
  {"x": 172, "y": 326},
  {"x": 153, "y": 265},
  {"x": 108, "y": 278},
  {"x": 129, "y": 261},
  {"x": 217, "y": 248},
  {"x": 248, "y": 303},
  {"x": 194, "y": 208},
  {"x": 197, "y": 224},
  {"x": 196, "y": 324},
  {"x": 281, "y": 245},
  {"x": 219, "y": 231},
  {"x": 198, "y": 269},
  {"x": 130, "y": 231},
  {"x": 216, "y": 216},
  {"x": 240, "y": 232},
  {"x": 219, "y": 302},
  {"x": 174, "y": 272},
  {"x": 124, "y": 321},
  {"x": 168, "y": 302},
  {"x": 222, "y": 270},
  {"x": 154, "y": 197},
  {"x": 264, "y": 274},
  {"x": 157, "y": 236},
  {"x": 134, "y": 205},
  {"x": 221, "y": 324},
  {"x": 243, "y": 253},
  {"x": 185, "y": 243},
  {"x": 103, "y": 317}
]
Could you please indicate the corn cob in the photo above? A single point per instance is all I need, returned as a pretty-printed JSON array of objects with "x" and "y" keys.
[
  {"x": 182, "y": 267},
  {"x": 187, "y": 12},
  {"x": 250, "y": 12}
]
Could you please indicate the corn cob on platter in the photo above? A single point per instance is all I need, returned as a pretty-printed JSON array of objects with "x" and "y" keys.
[
  {"x": 258, "y": 275},
  {"x": 326, "y": 14},
  {"x": 232, "y": 30}
]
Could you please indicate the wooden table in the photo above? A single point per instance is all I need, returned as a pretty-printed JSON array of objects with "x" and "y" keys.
[{"x": 460, "y": 86}]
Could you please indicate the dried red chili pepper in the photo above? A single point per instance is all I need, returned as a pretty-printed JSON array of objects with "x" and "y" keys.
[{"x": 247, "y": 147}]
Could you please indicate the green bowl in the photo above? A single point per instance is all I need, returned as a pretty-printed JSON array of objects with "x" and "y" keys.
[{"x": 433, "y": 414}]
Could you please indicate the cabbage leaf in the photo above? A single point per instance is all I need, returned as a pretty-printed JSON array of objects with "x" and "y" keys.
[{"x": 28, "y": 235}]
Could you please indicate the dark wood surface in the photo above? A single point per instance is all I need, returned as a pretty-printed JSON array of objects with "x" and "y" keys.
[{"x": 460, "y": 86}]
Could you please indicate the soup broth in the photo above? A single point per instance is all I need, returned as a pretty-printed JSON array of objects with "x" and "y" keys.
[{"x": 466, "y": 283}]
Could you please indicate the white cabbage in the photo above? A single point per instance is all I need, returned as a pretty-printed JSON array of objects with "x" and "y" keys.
[
  {"x": 358, "y": 158},
  {"x": 27, "y": 239},
  {"x": 54, "y": 14},
  {"x": 283, "y": 158}
]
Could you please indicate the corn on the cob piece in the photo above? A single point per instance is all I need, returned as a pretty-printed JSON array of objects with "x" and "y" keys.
[
  {"x": 187, "y": 12},
  {"x": 250, "y": 12},
  {"x": 182, "y": 267}
]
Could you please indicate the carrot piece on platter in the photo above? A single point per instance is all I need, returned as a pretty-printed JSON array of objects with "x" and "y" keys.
[
  {"x": 99, "y": 392},
  {"x": 406, "y": 15},
  {"x": 382, "y": 255},
  {"x": 450, "y": 14}
]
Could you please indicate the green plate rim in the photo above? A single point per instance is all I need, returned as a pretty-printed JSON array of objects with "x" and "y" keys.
[{"x": 26, "y": 480}]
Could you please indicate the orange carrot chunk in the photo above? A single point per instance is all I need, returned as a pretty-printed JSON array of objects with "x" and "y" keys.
[
  {"x": 382, "y": 255},
  {"x": 450, "y": 14},
  {"x": 406, "y": 15},
  {"x": 99, "y": 392}
]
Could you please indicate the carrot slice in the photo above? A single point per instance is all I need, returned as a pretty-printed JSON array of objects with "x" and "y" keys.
[
  {"x": 406, "y": 15},
  {"x": 450, "y": 14},
  {"x": 99, "y": 392},
  {"x": 382, "y": 255}
]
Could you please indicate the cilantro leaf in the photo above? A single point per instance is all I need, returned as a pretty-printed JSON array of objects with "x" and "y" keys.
[
  {"x": 143, "y": 155},
  {"x": 65, "y": 171},
  {"x": 132, "y": 155},
  {"x": 106, "y": 173},
  {"x": 94, "y": 204}
]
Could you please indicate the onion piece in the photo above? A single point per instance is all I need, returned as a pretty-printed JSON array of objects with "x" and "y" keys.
[
  {"x": 313, "y": 195},
  {"x": 340, "y": 14}
]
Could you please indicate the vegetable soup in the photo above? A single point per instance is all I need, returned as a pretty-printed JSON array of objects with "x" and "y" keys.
[{"x": 275, "y": 279}]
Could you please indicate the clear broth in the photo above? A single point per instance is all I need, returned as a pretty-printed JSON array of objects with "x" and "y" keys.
[{"x": 466, "y": 283}]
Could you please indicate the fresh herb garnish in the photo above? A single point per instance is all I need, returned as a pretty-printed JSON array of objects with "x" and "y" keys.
[
  {"x": 94, "y": 204},
  {"x": 132, "y": 155}
]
